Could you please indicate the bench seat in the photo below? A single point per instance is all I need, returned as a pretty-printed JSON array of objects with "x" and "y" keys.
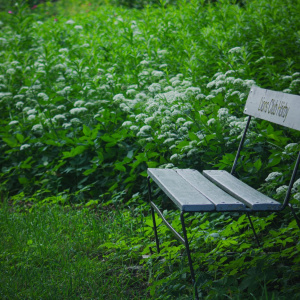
[{"x": 215, "y": 191}]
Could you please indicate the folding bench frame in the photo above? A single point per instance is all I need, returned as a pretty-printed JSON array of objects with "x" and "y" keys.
[{"x": 254, "y": 94}]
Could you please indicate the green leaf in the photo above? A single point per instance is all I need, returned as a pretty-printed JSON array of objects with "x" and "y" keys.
[
  {"x": 20, "y": 138},
  {"x": 86, "y": 130},
  {"x": 23, "y": 180},
  {"x": 274, "y": 161},
  {"x": 258, "y": 164},
  {"x": 193, "y": 137},
  {"x": 89, "y": 171},
  {"x": 74, "y": 151},
  {"x": 11, "y": 141}
]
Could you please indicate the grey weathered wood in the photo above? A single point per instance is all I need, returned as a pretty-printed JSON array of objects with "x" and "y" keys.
[
  {"x": 276, "y": 107},
  {"x": 183, "y": 194},
  {"x": 240, "y": 190},
  {"x": 222, "y": 200}
]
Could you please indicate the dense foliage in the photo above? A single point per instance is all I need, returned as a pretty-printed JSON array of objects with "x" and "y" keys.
[{"x": 89, "y": 101}]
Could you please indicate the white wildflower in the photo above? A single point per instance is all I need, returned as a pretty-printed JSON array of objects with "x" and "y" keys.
[
  {"x": 235, "y": 50},
  {"x": 180, "y": 120},
  {"x": 134, "y": 128},
  {"x": 43, "y": 96},
  {"x": 174, "y": 157},
  {"x": 71, "y": 22},
  {"x": 209, "y": 97},
  {"x": 78, "y": 27},
  {"x": 230, "y": 72},
  {"x": 176, "y": 82},
  {"x": 25, "y": 146},
  {"x": 154, "y": 87},
  {"x": 183, "y": 130},
  {"x": 66, "y": 125},
  {"x": 282, "y": 189},
  {"x": 130, "y": 92},
  {"x": 77, "y": 110},
  {"x": 193, "y": 91},
  {"x": 297, "y": 184},
  {"x": 11, "y": 71},
  {"x": 31, "y": 111},
  {"x": 188, "y": 123},
  {"x": 144, "y": 62},
  {"x": 238, "y": 82},
  {"x": 149, "y": 120},
  {"x": 37, "y": 127},
  {"x": 272, "y": 176},
  {"x": 140, "y": 117},
  {"x": 223, "y": 113},
  {"x": 145, "y": 128},
  {"x": 192, "y": 152},
  {"x": 163, "y": 66},
  {"x": 78, "y": 103},
  {"x": 119, "y": 98},
  {"x": 157, "y": 74},
  {"x": 141, "y": 96},
  {"x": 59, "y": 117},
  {"x": 168, "y": 140},
  {"x": 75, "y": 121},
  {"x": 211, "y": 84},
  {"x": 61, "y": 107},
  {"x": 19, "y": 105},
  {"x": 127, "y": 123},
  {"x": 31, "y": 117},
  {"x": 14, "y": 122},
  {"x": 63, "y": 50},
  {"x": 19, "y": 97},
  {"x": 211, "y": 121},
  {"x": 296, "y": 74}
]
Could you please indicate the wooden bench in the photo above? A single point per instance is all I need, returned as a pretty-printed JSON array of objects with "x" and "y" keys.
[{"x": 220, "y": 191}]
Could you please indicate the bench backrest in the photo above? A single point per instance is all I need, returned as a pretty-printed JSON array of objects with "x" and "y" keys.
[{"x": 276, "y": 107}]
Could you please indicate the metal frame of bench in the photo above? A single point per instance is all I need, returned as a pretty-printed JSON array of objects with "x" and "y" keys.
[{"x": 220, "y": 191}]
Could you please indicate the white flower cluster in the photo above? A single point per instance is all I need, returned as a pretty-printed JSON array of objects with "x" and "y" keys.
[{"x": 273, "y": 176}]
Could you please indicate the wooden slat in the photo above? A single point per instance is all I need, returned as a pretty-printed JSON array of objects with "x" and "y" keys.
[
  {"x": 184, "y": 195},
  {"x": 222, "y": 200},
  {"x": 238, "y": 189},
  {"x": 276, "y": 107}
]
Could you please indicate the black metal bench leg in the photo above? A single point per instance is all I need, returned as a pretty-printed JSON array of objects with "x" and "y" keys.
[
  {"x": 153, "y": 215},
  {"x": 253, "y": 229},
  {"x": 294, "y": 214},
  {"x": 189, "y": 254}
]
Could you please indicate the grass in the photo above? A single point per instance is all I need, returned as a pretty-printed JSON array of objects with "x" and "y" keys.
[{"x": 54, "y": 253}]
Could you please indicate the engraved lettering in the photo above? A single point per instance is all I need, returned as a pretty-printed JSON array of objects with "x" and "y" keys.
[{"x": 274, "y": 108}]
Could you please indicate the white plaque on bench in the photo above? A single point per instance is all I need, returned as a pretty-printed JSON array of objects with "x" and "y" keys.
[{"x": 276, "y": 107}]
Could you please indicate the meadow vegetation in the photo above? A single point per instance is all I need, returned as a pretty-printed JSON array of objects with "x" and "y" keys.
[{"x": 91, "y": 96}]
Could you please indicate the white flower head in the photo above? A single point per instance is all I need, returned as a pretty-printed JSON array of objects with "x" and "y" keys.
[
  {"x": 14, "y": 122},
  {"x": 127, "y": 123},
  {"x": 272, "y": 176},
  {"x": 282, "y": 189},
  {"x": 75, "y": 121},
  {"x": 235, "y": 50},
  {"x": 78, "y": 110},
  {"x": 25, "y": 146},
  {"x": 59, "y": 117},
  {"x": 37, "y": 127},
  {"x": 118, "y": 98},
  {"x": 43, "y": 96},
  {"x": 154, "y": 88},
  {"x": 78, "y": 103},
  {"x": 297, "y": 184}
]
